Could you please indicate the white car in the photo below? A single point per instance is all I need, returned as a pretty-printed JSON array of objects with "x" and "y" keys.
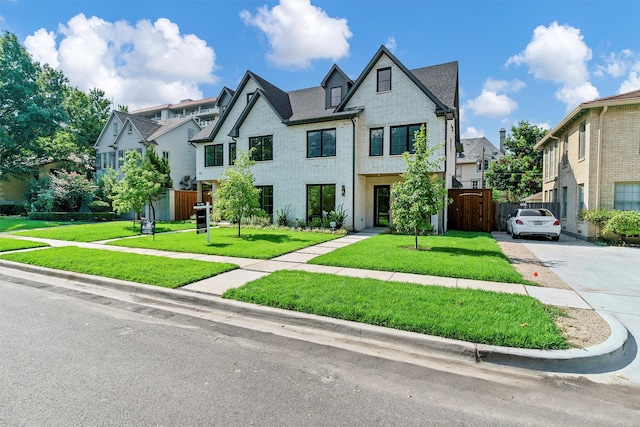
[{"x": 533, "y": 222}]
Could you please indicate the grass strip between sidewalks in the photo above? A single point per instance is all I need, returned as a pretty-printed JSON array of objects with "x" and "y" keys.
[
  {"x": 147, "y": 269},
  {"x": 256, "y": 243},
  {"x": 458, "y": 254},
  {"x": 13, "y": 223},
  {"x": 92, "y": 232},
  {"x": 463, "y": 314},
  {"x": 16, "y": 244}
]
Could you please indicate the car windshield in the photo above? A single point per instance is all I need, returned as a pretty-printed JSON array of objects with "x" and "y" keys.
[{"x": 535, "y": 212}]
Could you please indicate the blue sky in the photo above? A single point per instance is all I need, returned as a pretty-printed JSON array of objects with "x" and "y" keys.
[{"x": 518, "y": 59}]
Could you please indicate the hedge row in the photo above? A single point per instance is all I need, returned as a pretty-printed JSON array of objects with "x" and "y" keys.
[{"x": 72, "y": 216}]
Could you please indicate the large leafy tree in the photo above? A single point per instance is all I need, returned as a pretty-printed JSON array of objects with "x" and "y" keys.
[
  {"x": 31, "y": 107},
  {"x": 145, "y": 181},
  {"x": 519, "y": 172},
  {"x": 421, "y": 193},
  {"x": 237, "y": 197}
]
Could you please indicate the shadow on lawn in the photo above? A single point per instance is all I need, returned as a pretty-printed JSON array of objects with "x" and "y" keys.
[
  {"x": 272, "y": 238},
  {"x": 468, "y": 252}
]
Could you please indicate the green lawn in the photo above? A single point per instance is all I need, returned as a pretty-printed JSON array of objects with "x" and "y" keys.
[
  {"x": 253, "y": 243},
  {"x": 455, "y": 254},
  {"x": 152, "y": 270},
  {"x": 469, "y": 315},
  {"x": 15, "y": 244},
  {"x": 14, "y": 223},
  {"x": 91, "y": 232}
]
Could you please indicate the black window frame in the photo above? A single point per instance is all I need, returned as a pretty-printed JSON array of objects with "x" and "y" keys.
[
  {"x": 216, "y": 156},
  {"x": 408, "y": 139},
  {"x": 233, "y": 147},
  {"x": 371, "y": 139},
  {"x": 382, "y": 81},
  {"x": 335, "y": 98},
  {"x": 324, "y": 149},
  {"x": 323, "y": 188},
  {"x": 265, "y": 199},
  {"x": 259, "y": 143}
]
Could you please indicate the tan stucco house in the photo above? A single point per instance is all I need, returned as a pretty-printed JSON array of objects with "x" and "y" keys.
[{"x": 592, "y": 160}]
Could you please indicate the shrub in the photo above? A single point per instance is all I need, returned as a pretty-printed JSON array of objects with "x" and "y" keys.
[
  {"x": 598, "y": 217},
  {"x": 71, "y": 216},
  {"x": 282, "y": 216},
  {"x": 624, "y": 224},
  {"x": 260, "y": 220},
  {"x": 338, "y": 216},
  {"x": 99, "y": 206}
]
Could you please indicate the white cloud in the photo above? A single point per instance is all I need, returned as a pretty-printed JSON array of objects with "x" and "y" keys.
[
  {"x": 631, "y": 83},
  {"x": 472, "y": 132},
  {"x": 624, "y": 64},
  {"x": 138, "y": 66},
  {"x": 391, "y": 44},
  {"x": 558, "y": 53},
  {"x": 299, "y": 32},
  {"x": 42, "y": 47},
  {"x": 490, "y": 103}
]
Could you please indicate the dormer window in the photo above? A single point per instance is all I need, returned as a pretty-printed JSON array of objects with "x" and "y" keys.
[
  {"x": 336, "y": 96},
  {"x": 384, "y": 80}
]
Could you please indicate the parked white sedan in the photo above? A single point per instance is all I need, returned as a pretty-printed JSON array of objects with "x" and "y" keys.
[{"x": 533, "y": 222}]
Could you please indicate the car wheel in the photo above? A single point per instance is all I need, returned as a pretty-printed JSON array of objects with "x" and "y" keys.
[
  {"x": 555, "y": 238},
  {"x": 514, "y": 235}
]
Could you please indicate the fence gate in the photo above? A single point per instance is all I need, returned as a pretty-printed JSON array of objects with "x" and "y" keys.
[
  {"x": 471, "y": 210},
  {"x": 184, "y": 202}
]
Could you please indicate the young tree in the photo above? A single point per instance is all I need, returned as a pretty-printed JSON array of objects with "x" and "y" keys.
[
  {"x": 421, "y": 193},
  {"x": 145, "y": 181},
  {"x": 519, "y": 173},
  {"x": 237, "y": 197}
]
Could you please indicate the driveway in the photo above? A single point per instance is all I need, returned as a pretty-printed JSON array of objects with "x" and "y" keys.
[{"x": 607, "y": 277}]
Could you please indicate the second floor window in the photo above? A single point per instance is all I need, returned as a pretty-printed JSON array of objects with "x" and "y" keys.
[
  {"x": 384, "y": 80},
  {"x": 582, "y": 148},
  {"x": 376, "y": 141},
  {"x": 402, "y": 138},
  {"x": 321, "y": 143},
  {"x": 232, "y": 153},
  {"x": 262, "y": 148},
  {"x": 213, "y": 155}
]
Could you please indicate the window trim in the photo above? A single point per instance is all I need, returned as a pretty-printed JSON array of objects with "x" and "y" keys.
[
  {"x": 233, "y": 155},
  {"x": 214, "y": 156},
  {"x": 381, "y": 142},
  {"x": 582, "y": 140},
  {"x": 259, "y": 157},
  {"x": 334, "y": 100},
  {"x": 310, "y": 217},
  {"x": 379, "y": 80},
  {"x": 261, "y": 199},
  {"x": 322, "y": 144}
]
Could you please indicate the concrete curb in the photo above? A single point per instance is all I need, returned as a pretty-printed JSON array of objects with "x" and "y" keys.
[{"x": 615, "y": 353}]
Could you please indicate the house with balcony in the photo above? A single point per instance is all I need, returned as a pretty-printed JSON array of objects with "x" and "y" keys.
[
  {"x": 169, "y": 138},
  {"x": 338, "y": 145},
  {"x": 474, "y": 160},
  {"x": 592, "y": 160},
  {"x": 203, "y": 111}
]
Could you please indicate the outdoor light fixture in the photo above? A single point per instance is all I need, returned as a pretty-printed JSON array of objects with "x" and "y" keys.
[{"x": 343, "y": 190}]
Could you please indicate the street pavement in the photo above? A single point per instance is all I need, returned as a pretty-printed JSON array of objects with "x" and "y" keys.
[
  {"x": 607, "y": 357},
  {"x": 606, "y": 277}
]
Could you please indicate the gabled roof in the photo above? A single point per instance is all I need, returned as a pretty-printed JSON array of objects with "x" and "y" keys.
[
  {"x": 441, "y": 108},
  {"x": 335, "y": 69},
  {"x": 472, "y": 150},
  {"x": 145, "y": 127},
  {"x": 442, "y": 81},
  {"x": 225, "y": 91},
  {"x": 119, "y": 115},
  {"x": 169, "y": 125},
  {"x": 628, "y": 98}
]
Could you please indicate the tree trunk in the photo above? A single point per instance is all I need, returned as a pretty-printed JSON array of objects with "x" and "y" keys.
[
  {"x": 239, "y": 228},
  {"x": 153, "y": 211},
  {"x": 415, "y": 231}
]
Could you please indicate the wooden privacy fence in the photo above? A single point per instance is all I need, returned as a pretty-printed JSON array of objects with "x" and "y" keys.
[
  {"x": 504, "y": 209},
  {"x": 184, "y": 203},
  {"x": 471, "y": 210}
]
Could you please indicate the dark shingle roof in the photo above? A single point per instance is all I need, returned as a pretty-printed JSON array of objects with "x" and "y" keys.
[
  {"x": 276, "y": 96},
  {"x": 441, "y": 80},
  {"x": 146, "y": 127}
]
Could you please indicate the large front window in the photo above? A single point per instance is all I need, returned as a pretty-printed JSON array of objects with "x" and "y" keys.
[
  {"x": 376, "y": 141},
  {"x": 402, "y": 138},
  {"x": 627, "y": 197},
  {"x": 266, "y": 198},
  {"x": 213, "y": 155},
  {"x": 262, "y": 148},
  {"x": 321, "y": 143},
  {"x": 321, "y": 199}
]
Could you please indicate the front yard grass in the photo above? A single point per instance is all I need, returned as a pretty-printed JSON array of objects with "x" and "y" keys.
[
  {"x": 254, "y": 242},
  {"x": 458, "y": 254},
  {"x": 14, "y": 223},
  {"x": 7, "y": 244},
  {"x": 92, "y": 232},
  {"x": 147, "y": 269},
  {"x": 463, "y": 314}
]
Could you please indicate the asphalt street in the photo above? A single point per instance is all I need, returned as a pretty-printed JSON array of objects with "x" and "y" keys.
[{"x": 70, "y": 357}]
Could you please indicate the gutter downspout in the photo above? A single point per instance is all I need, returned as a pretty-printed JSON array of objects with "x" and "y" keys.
[{"x": 353, "y": 175}]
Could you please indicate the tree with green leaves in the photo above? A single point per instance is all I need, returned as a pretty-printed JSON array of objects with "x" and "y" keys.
[
  {"x": 145, "y": 182},
  {"x": 31, "y": 108},
  {"x": 519, "y": 172},
  {"x": 421, "y": 193},
  {"x": 237, "y": 196}
]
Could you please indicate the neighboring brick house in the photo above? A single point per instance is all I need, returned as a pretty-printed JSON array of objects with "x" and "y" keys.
[
  {"x": 470, "y": 167},
  {"x": 592, "y": 160},
  {"x": 169, "y": 138},
  {"x": 336, "y": 145}
]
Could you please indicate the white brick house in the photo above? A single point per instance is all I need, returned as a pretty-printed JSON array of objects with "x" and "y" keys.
[
  {"x": 124, "y": 132},
  {"x": 342, "y": 140}
]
